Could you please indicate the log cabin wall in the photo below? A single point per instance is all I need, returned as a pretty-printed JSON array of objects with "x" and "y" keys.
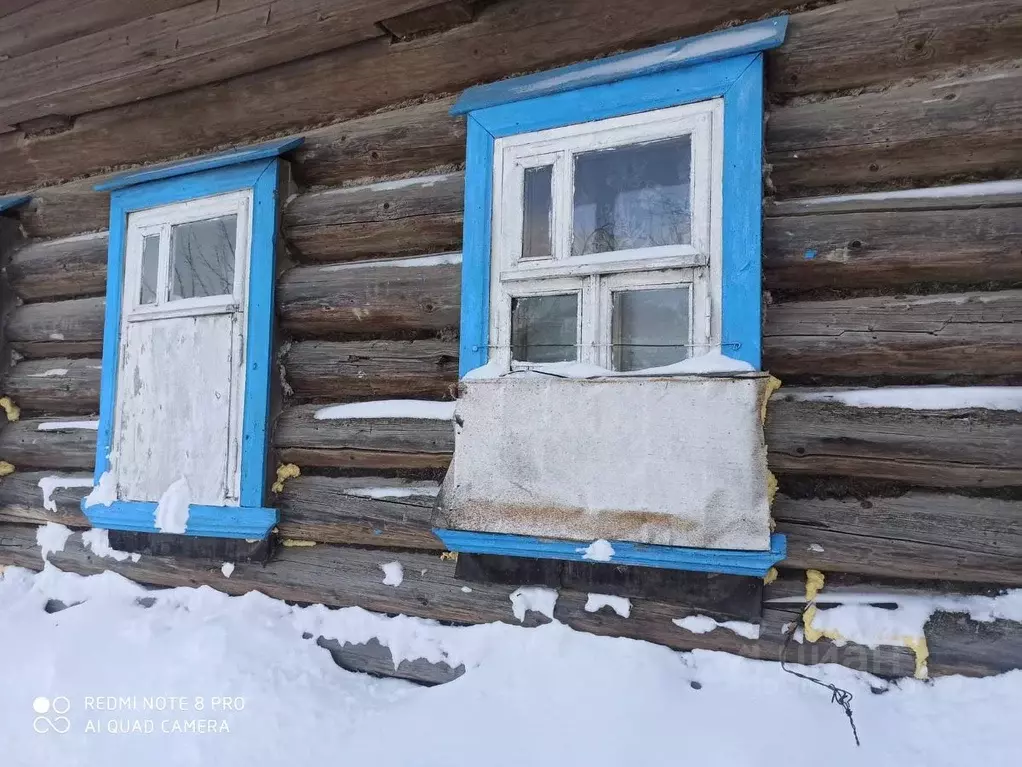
[{"x": 864, "y": 96}]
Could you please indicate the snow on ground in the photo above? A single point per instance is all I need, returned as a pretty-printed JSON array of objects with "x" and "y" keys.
[{"x": 557, "y": 696}]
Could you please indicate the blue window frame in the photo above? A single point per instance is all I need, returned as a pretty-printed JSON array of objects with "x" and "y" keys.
[
  {"x": 258, "y": 171},
  {"x": 726, "y": 66}
]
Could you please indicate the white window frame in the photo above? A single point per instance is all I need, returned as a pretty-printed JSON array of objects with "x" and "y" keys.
[
  {"x": 595, "y": 276},
  {"x": 160, "y": 220}
]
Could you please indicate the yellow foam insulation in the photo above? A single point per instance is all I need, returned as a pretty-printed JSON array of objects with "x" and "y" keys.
[
  {"x": 284, "y": 472},
  {"x": 771, "y": 487},
  {"x": 294, "y": 543},
  {"x": 6, "y": 468},
  {"x": 12, "y": 410},
  {"x": 451, "y": 556},
  {"x": 814, "y": 583},
  {"x": 770, "y": 577},
  {"x": 772, "y": 385}
]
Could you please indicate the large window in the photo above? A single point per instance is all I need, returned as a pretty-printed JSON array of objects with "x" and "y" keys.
[{"x": 606, "y": 241}]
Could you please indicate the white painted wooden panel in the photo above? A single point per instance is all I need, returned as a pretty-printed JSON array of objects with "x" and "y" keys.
[{"x": 176, "y": 416}]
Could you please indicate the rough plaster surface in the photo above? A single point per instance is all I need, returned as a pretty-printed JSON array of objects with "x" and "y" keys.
[{"x": 673, "y": 461}]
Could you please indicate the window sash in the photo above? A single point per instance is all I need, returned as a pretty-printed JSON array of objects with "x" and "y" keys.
[
  {"x": 161, "y": 221},
  {"x": 558, "y": 147},
  {"x": 595, "y": 277}
]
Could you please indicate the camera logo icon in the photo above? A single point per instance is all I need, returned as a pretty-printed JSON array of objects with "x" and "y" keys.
[{"x": 44, "y": 708}]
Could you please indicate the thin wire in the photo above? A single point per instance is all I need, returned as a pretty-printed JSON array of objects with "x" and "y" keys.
[
  {"x": 731, "y": 344},
  {"x": 837, "y": 695}
]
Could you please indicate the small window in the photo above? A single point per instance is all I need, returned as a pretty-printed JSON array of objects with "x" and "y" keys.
[
  {"x": 605, "y": 241},
  {"x": 187, "y": 349}
]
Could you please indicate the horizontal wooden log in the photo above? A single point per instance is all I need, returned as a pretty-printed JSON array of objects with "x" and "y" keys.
[
  {"x": 383, "y": 443},
  {"x": 23, "y": 444},
  {"x": 926, "y": 337},
  {"x": 65, "y": 209},
  {"x": 324, "y": 301},
  {"x": 58, "y": 329},
  {"x": 372, "y": 369},
  {"x": 21, "y": 500},
  {"x": 411, "y": 139},
  {"x": 443, "y": 15},
  {"x": 918, "y": 535},
  {"x": 39, "y": 24},
  {"x": 58, "y": 386},
  {"x": 516, "y": 35},
  {"x": 324, "y": 509},
  {"x": 341, "y": 576},
  {"x": 911, "y": 134},
  {"x": 933, "y": 448},
  {"x": 410, "y": 216},
  {"x": 873, "y": 42},
  {"x": 50, "y": 270},
  {"x": 880, "y": 249},
  {"x": 198, "y": 43}
]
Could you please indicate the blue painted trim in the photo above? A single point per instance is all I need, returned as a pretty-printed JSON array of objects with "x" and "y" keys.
[
  {"x": 625, "y": 552},
  {"x": 599, "y": 102},
  {"x": 748, "y": 38},
  {"x": 475, "y": 259},
  {"x": 204, "y": 521},
  {"x": 262, "y": 176},
  {"x": 742, "y": 217},
  {"x": 198, "y": 164},
  {"x": 7, "y": 203},
  {"x": 738, "y": 81}
]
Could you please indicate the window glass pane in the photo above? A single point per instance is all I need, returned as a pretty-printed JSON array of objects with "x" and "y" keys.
[
  {"x": 634, "y": 196},
  {"x": 544, "y": 328},
  {"x": 650, "y": 327},
  {"x": 202, "y": 258},
  {"x": 537, "y": 209},
  {"x": 150, "y": 269}
]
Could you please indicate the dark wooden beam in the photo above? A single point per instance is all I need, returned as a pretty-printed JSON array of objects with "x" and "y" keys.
[{"x": 55, "y": 386}]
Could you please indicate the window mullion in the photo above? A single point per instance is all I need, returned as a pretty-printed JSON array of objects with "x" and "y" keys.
[
  {"x": 163, "y": 270},
  {"x": 562, "y": 200},
  {"x": 590, "y": 326}
]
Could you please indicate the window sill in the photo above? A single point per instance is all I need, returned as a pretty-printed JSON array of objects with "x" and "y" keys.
[
  {"x": 251, "y": 523},
  {"x": 625, "y": 553}
]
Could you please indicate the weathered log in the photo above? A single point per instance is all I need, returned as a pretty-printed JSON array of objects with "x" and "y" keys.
[
  {"x": 36, "y": 24},
  {"x": 328, "y": 510},
  {"x": 59, "y": 329},
  {"x": 913, "y": 133},
  {"x": 918, "y": 535},
  {"x": 23, "y": 444},
  {"x": 376, "y": 369},
  {"x": 21, "y": 500},
  {"x": 342, "y": 576},
  {"x": 369, "y": 443},
  {"x": 959, "y": 244},
  {"x": 58, "y": 386},
  {"x": 933, "y": 448},
  {"x": 444, "y": 15},
  {"x": 50, "y": 270},
  {"x": 325, "y": 301},
  {"x": 183, "y": 47},
  {"x": 870, "y": 42},
  {"x": 926, "y": 337},
  {"x": 66, "y": 209},
  {"x": 517, "y": 36},
  {"x": 411, "y": 139},
  {"x": 411, "y": 216}
]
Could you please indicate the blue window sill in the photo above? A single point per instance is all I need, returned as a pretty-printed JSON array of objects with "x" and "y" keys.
[
  {"x": 250, "y": 523},
  {"x": 756, "y": 563}
]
